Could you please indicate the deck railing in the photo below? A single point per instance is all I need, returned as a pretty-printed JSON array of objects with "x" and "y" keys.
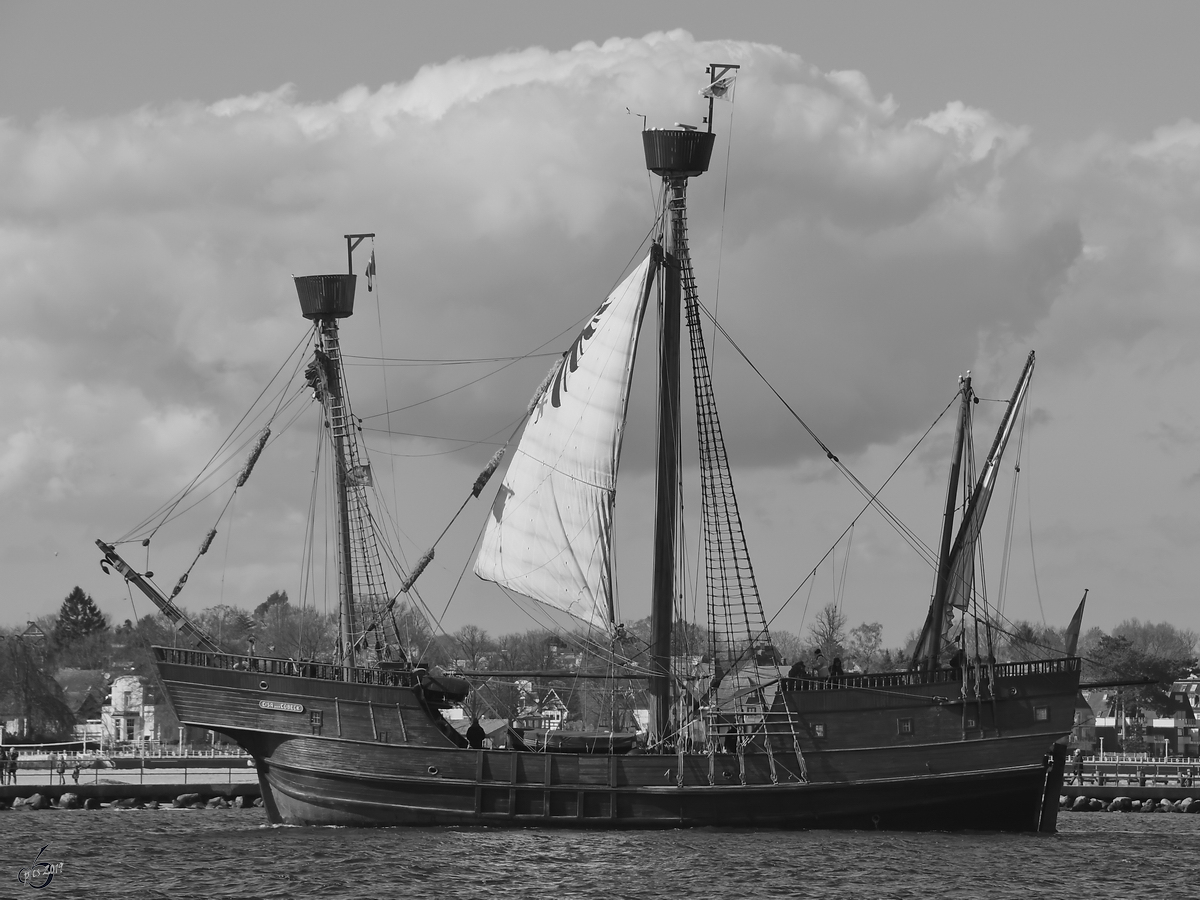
[
  {"x": 950, "y": 675},
  {"x": 267, "y": 665}
]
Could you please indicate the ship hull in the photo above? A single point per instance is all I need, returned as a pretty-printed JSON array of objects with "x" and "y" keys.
[
  {"x": 1008, "y": 800},
  {"x": 336, "y": 753}
]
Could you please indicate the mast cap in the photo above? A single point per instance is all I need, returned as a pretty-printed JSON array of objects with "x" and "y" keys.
[
  {"x": 678, "y": 152},
  {"x": 326, "y": 296}
]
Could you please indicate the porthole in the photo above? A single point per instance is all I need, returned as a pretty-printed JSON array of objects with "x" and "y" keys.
[
  {"x": 433, "y": 770},
  {"x": 262, "y": 686}
]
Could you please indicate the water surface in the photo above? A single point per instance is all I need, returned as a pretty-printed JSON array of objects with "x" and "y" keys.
[{"x": 234, "y": 853}]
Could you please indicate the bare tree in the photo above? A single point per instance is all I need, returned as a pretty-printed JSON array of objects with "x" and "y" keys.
[
  {"x": 28, "y": 690},
  {"x": 472, "y": 646},
  {"x": 828, "y": 632},
  {"x": 1158, "y": 639}
]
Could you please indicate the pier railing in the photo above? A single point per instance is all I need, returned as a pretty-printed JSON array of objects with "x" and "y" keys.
[{"x": 1180, "y": 772}]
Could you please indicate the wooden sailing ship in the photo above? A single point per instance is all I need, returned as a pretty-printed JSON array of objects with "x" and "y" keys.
[{"x": 954, "y": 741}]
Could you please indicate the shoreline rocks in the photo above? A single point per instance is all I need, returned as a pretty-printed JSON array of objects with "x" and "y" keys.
[
  {"x": 70, "y": 800},
  {"x": 1127, "y": 804}
]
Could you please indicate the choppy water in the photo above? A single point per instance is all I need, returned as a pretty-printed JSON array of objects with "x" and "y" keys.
[{"x": 231, "y": 853}]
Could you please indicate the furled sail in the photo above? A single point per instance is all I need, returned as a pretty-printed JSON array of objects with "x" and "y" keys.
[
  {"x": 549, "y": 533},
  {"x": 961, "y": 577}
]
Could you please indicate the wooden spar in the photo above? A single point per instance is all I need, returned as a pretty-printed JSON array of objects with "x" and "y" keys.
[
  {"x": 165, "y": 606},
  {"x": 666, "y": 501},
  {"x": 937, "y": 610}
]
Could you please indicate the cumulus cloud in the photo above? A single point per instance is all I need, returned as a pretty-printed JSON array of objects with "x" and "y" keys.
[{"x": 866, "y": 260}]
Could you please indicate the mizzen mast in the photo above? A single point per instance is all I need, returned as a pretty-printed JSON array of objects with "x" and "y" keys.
[
  {"x": 954, "y": 588},
  {"x": 937, "y": 610}
]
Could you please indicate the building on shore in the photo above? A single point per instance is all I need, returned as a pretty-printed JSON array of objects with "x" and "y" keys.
[{"x": 129, "y": 713}]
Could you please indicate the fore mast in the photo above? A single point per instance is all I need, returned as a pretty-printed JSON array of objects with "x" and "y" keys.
[
  {"x": 674, "y": 154},
  {"x": 325, "y": 299}
]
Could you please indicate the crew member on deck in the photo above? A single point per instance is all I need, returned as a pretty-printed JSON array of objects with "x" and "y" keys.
[
  {"x": 475, "y": 734},
  {"x": 958, "y": 658}
]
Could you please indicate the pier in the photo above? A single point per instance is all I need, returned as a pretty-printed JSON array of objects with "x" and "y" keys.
[
  {"x": 1129, "y": 783},
  {"x": 133, "y": 780}
]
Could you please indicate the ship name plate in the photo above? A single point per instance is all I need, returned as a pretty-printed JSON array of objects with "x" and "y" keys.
[{"x": 281, "y": 706}]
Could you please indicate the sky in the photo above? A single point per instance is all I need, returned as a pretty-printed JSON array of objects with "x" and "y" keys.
[{"x": 899, "y": 193}]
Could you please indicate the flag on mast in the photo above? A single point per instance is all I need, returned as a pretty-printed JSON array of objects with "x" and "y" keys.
[
  {"x": 721, "y": 88},
  {"x": 371, "y": 272},
  {"x": 1075, "y": 626}
]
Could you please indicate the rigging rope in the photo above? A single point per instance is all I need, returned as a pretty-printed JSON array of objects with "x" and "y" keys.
[
  {"x": 870, "y": 503},
  {"x": 903, "y": 530},
  {"x": 170, "y": 506}
]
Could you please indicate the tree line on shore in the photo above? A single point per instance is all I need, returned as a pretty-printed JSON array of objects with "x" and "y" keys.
[{"x": 80, "y": 636}]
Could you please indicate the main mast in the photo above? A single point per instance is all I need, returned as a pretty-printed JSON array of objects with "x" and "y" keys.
[{"x": 675, "y": 155}]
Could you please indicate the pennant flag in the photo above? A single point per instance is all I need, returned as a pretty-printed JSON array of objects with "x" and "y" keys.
[
  {"x": 371, "y": 272},
  {"x": 1076, "y": 624},
  {"x": 721, "y": 89}
]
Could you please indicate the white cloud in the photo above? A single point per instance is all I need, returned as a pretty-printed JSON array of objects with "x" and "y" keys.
[{"x": 145, "y": 262}]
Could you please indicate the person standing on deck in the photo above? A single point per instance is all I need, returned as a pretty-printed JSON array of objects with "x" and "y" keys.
[{"x": 12, "y": 766}]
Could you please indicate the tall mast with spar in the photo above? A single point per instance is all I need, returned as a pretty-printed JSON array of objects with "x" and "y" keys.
[
  {"x": 326, "y": 299},
  {"x": 937, "y": 611},
  {"x": 675, "y": 155}
]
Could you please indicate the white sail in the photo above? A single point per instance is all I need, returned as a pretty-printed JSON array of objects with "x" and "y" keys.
[{"x": 549, "y": 534}]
